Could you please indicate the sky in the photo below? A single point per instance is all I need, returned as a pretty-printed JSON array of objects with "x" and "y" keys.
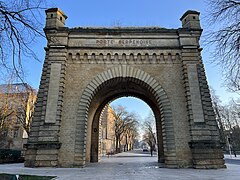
[
  {"x": 134, "y": 105},
  {"x": 110, "y": 13}
]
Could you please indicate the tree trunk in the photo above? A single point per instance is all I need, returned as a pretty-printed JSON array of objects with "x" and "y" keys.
[
  {"x": 126, "y": 144},
  {"x": 116, "y": 145}
]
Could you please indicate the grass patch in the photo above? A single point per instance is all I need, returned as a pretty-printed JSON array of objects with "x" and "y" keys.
[{"x": 24, "y": 177}]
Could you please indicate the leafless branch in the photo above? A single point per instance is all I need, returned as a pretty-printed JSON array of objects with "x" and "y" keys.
[
  {"x": 224, "y": 20},
  {"x": 20, "y": 25}
]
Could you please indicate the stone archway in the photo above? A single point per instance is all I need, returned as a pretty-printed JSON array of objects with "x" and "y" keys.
[
  {"x": 163, "y": 65},
  {"x": 117, "y": 82}
]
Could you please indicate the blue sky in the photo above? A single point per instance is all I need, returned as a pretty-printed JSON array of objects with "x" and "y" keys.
[
  {"x": 130, "y": 13},
  {"x": 134, "y": 105}
]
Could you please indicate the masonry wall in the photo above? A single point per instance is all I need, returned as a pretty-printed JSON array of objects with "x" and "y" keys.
[{"x": 80, "y": 75}]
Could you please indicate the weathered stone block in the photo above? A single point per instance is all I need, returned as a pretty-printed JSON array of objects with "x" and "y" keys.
[{"x": 49, "y": 157}]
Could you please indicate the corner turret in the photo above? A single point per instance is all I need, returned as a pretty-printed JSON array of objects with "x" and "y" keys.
[
  {"x": 55, "y": 18},
  {"x": 190, "y": 20}
]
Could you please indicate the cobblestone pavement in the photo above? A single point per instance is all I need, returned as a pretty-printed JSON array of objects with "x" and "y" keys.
[{"x": 129, "y": 166}]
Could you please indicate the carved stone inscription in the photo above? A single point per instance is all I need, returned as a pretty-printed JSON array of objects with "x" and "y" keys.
[{"x": 124, "y": 42}]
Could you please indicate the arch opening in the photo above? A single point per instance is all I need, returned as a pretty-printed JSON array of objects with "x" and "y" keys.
[
  {"x": 143, "y": 87},
  {"x": 113, "y": 89},
  {"x": 103, "y": 140}
]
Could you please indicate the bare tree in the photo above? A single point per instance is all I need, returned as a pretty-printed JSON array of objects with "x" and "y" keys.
[
  {"x": 5, "y": 125},
  {"x": 234, "y": 107},
  {"x": 16, "y": 109},
  {"x": 6, "y": 113},
  {"x": 149, "y": 135},
  {"x": 228, "y": 119},
  {"x": 131, "y": 135},
  {"x": 20, "y": 24},
  {"x": 25, "y": 110},
  {"x": 5, "y": 108},
  {"x": 224, "y": 20},
  {"x": 124, "y": 122},
  {"x": 218, "y": 109}
]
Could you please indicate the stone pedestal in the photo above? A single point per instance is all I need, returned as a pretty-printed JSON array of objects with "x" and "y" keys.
[
  {"x": 42, "y": 154},
  {"x": 207, "y": 155}
]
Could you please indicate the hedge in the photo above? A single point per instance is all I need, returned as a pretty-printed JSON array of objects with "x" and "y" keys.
[
  {"x": 10, "y": 156},
  {"x": 24, "y": 177}
]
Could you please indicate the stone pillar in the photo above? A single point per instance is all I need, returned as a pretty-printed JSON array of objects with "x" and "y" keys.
[
  {"x": 30, "y": 156},
  {"x": 205, "y": 143},
  {"x": 43, "y": 143}
]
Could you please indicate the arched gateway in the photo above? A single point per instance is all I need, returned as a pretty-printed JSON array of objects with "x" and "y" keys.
[{"x": 86, "y": 68}]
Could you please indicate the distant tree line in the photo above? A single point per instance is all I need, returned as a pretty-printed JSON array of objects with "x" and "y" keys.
[{"x": 228, "y": 120}]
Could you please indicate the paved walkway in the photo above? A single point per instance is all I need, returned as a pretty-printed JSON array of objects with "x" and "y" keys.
[{"x": 128, "y": 166}]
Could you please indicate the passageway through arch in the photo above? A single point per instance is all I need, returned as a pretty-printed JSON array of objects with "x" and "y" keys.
[
  {"x": 103, "y": 139},
  {"x": 141, "y": 86}
]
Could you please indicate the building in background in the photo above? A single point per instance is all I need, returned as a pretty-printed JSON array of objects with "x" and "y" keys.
[
  {"x": 16, "y": 110},
  {"x": 107, "y": 135},
  {"x": 107, "y": 131}
]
